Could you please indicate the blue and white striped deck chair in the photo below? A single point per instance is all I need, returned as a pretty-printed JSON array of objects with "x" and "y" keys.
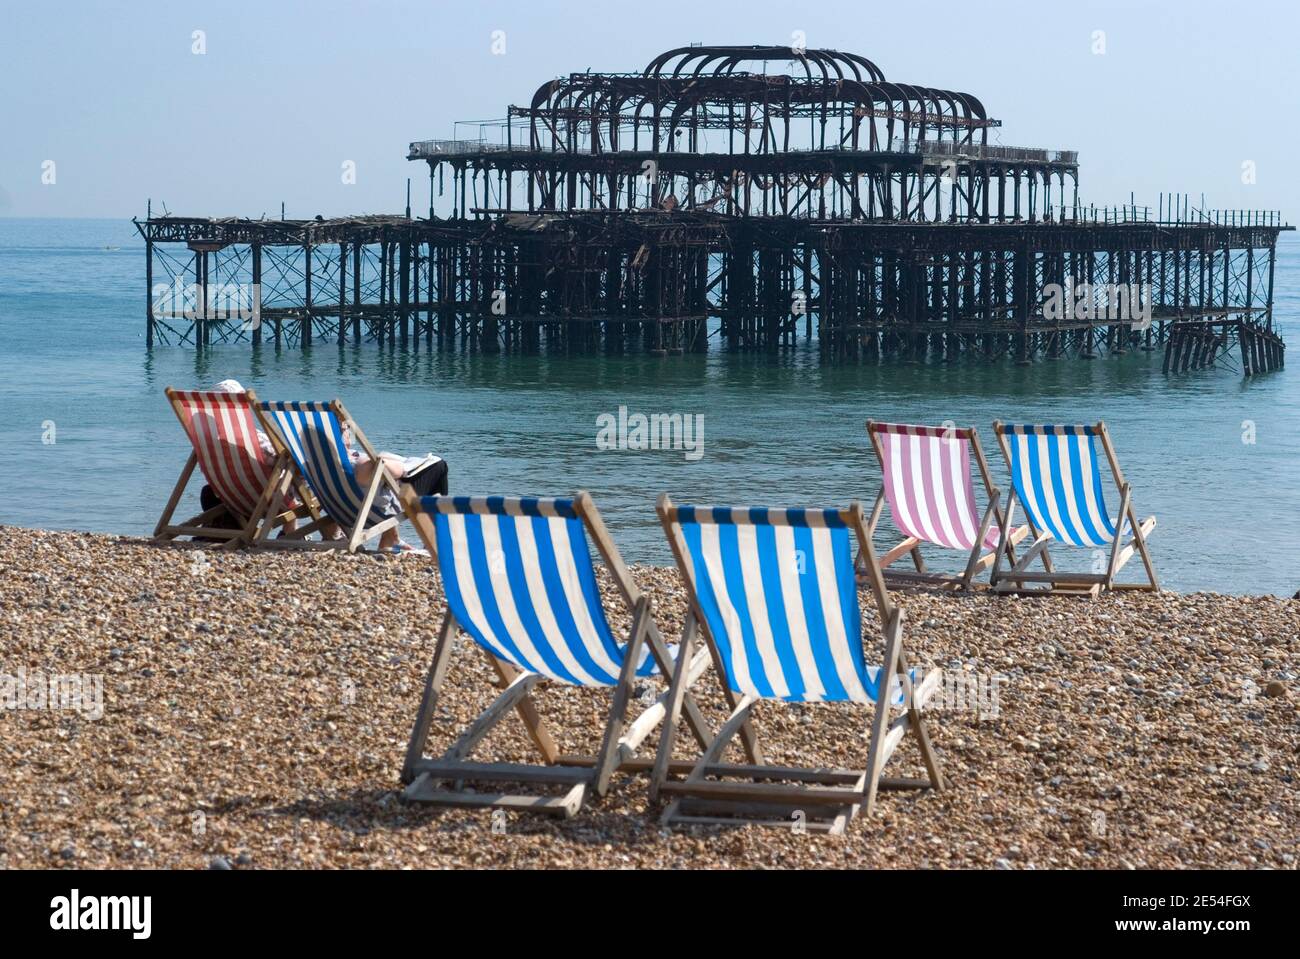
[
  {"x": 774, "y": 593},
  {"x": 518, "y": 578},
  {"x": 1056, "y": 477},
  {"x": 312, "y": 436}
]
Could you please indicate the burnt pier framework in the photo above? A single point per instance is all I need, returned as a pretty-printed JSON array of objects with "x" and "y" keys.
[{"x": 701, "y": 205}]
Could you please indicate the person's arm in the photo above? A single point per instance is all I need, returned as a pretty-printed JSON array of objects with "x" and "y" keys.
[
  {"x": 364, "y": 468},
  {"x": 394, "y": 464}
]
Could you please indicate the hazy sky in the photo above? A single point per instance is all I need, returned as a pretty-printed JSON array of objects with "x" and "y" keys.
[{"x": 113, "y": 93}]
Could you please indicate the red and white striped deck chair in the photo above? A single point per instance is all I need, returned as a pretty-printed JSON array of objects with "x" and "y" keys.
[
  {"x": 223, "y": 435},
  {"x": 927, "y": 485}
]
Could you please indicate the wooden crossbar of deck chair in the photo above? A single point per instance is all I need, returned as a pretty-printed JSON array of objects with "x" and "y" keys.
[
  {"x": 518, "y": 578},
  {"x": 927, "y": 485},
  {"x": 311, "y": 436},
  {"x": 222, "y": 431},
  {"x": 1056, "y": 476},
  {"x": 773, "y": 593}
]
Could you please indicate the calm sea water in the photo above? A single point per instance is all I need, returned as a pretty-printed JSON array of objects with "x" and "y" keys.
[{"x": 777, "y": 431}]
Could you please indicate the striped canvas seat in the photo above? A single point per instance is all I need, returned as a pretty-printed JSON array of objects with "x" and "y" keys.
[
  {"x": 1057, "y": 477},
  {"x": 927, "y": 473},
  {"x": 519, "y": 579},
  {"x": 778, "y": 592},
  {"x": 774, "y": 595},
  {"x": 314, "y": 437},
  {"x": 518, "y": 576},
  {"x": 223, "y": 433}
]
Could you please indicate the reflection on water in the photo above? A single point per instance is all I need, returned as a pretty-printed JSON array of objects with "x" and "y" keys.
[{"x": 777, "y": 430}]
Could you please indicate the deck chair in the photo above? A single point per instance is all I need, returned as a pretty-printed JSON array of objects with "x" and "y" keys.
[
  {"x": 310, "y": 435},
  {"x": 927, "y": 484},
  {"x": 773, "y": 593},
  {"x": 223, "y": 439},
  {"x": 518, "y": 578},
  {"x": 1056, "y": 475}
]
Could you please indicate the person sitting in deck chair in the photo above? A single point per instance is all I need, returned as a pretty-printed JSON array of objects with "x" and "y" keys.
[
  {"x": 426, "y": 475},
  {"x": 208, "y": 498}
]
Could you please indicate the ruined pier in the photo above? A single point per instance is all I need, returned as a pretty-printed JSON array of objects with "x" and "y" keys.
[{"x": 737, "y": 198}]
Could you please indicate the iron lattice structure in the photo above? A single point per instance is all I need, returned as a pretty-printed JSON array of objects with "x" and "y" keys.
[{"x": 709, "y": 200}]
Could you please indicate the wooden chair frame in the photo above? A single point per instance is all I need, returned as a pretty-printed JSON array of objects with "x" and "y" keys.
[
  {"x": 269, "y": 515},
  {"x": 356, "y": 536},
  {"x": 578, "y": 775},
  {"x": 1014, "y": 580},
  {"x": 755, "y": 792},
  {"x": 911, "y": 545}
]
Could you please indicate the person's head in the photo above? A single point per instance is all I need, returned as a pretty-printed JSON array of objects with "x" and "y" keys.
[{"x": 228, "y": 386}]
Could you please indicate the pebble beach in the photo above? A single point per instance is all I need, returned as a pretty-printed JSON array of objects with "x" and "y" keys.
[{"x": 256, "y": 707}]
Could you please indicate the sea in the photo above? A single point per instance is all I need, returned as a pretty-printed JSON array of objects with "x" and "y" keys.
[{"x": 88, "y": 442}]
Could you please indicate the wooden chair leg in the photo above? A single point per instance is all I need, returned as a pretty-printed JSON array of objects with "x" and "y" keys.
[
  {"x": 676, "y": 694},
  {"x": 1112, "y": 565},
  {"x": 174, "y": 500},
  {"x": 871, "y": 527},
  {"x": 748, "y": 735},
  {"x": 972, "y": 563},
  {"x": 735, "y": 722},
  {"x": 429, "y": 701},
  {"x": 278, "y": 498},
  {"x": 1139, "y": 535},
  {"x": 917, "y": 559},
  {"x": 487, "y": 720},
  {"x": 527, "y": 710},
  {"x": 880, "y": 721},
  {"x": 1011, "y": 545},
  {"x": 1004, "y": 540},
  {"x": 607, "y": 757},
  {"x": 262, "y": 508},
  {"x": 695, "y": 721},
  {"x": 358, "y": 534},
  {"x": 1140, "y": 538},
  {"x": 1045, "y": 554},
  {"x": 918, "y": 723}
]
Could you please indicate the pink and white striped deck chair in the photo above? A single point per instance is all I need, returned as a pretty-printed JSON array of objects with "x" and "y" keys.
[
  {"x": 927, "y": 485},
  {"x": 223, "y": 435}
]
